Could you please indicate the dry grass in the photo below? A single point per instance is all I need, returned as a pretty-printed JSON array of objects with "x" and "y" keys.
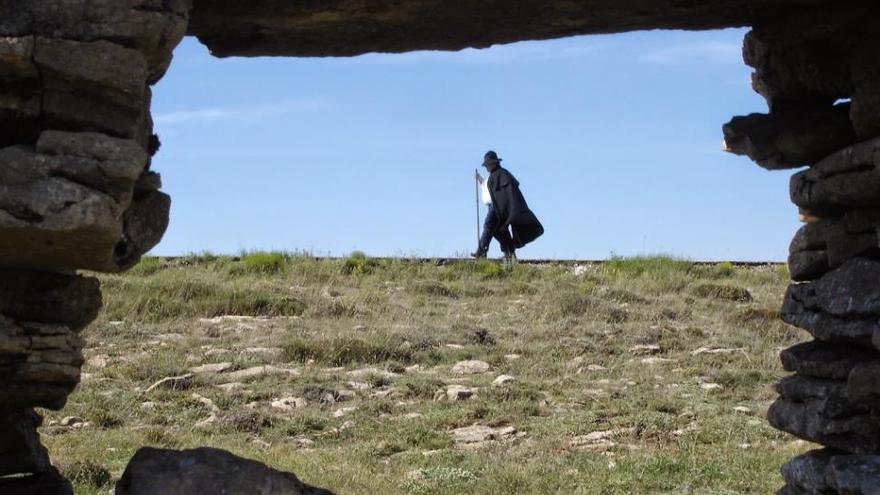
[{"x": 404, "y": 325}]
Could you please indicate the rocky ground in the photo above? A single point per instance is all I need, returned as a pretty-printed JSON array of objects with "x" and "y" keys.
[{"x": 646, "y": 375}]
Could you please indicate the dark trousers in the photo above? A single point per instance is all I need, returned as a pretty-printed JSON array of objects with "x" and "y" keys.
[{"x": 490, "y": 230}]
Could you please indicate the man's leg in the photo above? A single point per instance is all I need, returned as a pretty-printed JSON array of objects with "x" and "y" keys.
[
  {"x": 503, "y": 238},
  {"x": 489, "y": 225}
]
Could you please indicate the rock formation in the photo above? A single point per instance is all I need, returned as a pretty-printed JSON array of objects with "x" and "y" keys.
[
  {"x": 77, "y": 192},
  {"x": 804, "y": 63}
]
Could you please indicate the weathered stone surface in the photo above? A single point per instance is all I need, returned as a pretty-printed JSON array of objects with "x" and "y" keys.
[
  {"x": 863, "y": 384},
  {"x": 153, "y": 27},
  {"x": 825, "y": 472},
  {"x": 805, "y": 474},
  {"x": 791, "y": 139},
  {"x": 50, "y": 298},
  {"x": 143, "y": 225},
  {"x": 848, "y": 179},
  {"x": 39, "y": 364},
  {"x": 820, "y": 411},
  {"x": 205, "y": 470},
  {"x": 823, "y": 360},
  {"x": 825, "y": 244},
  {"x": 20, "y": 449},
  {"x": 40, "y": 352},
  {"x": 842, "y": 306},
  {"x": 68, "y": 203},
  {"x": 345, "y": 27},
  {"x": 830, "y": 396},
  {"x": 865, "y": 112},
  {"x": 17, "y": 58},
  {"x": 92, "y": 86}
]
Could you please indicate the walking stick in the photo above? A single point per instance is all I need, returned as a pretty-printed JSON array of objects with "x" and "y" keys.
[{"x": 477, "y": 196}]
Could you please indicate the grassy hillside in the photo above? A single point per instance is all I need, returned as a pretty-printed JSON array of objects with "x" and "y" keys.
[{"x": 645, "y": 375}]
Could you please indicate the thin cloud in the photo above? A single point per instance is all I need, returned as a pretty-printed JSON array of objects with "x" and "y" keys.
[
  {"x": 246, "y": 113},
  {"x": 688, "y": 53}
]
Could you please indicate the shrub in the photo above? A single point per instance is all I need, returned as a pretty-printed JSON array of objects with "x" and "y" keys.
[
  {"x": 86, "y": 473},
  {"x": 359, "y": 263},
  {"x": 341, "y": 351},
  {"x": 725, "y": 269},
  {"x": 723, "y": 292},
  {"x": 259, "y": 262},
  {"x": 653, "y": 266}
]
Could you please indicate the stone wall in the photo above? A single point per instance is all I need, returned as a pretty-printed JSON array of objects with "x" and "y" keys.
[
  {"x": 76, "y": 192},
  {"x": 818, "y": 70}
]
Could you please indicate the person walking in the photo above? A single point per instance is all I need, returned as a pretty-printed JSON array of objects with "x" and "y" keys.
[{"x": 512, "y": 224}]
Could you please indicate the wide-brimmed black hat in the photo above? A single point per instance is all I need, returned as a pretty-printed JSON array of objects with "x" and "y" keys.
[{"x": 490, "y": 157}]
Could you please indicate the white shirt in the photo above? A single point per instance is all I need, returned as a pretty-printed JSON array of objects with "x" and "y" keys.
[{"x": 484, "y": 192}]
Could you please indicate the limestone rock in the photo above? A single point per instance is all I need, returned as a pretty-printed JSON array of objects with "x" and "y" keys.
[
  {"x": 473, "y": 367},
  {"x": 205, "y": 470},
  {"x": 344, "y": 28},
  {"x": 823, "y": 360},
  {"x": 820, "y": 411},
  {"x": 847, "y": 179},
  {"x": 211, "y": 368},
  {"x": 842, "y": 306},
  {"x": 476, "y": 436},
  {"x": 40, "y": 351},
  {"x": 96, "y": 85},
  {"x": 828, "y": 243},
  {"x": 827, "y": 472},
  {"x": 863, "y": 384},
  {"x": 790, "y": 139},
  {"x": 152, "y": 27},
  {"x": 76, "y": 188}
]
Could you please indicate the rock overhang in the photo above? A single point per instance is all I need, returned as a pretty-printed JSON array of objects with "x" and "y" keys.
[{"x": 354, "y": 27}]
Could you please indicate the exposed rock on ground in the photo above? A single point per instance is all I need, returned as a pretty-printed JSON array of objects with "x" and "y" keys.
[{"x": 205, "y": 470}]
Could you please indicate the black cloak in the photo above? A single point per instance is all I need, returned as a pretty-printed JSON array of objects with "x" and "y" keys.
[{"x": 511, "y": 209}]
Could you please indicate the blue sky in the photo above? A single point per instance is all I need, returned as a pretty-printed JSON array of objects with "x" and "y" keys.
[{"x": 615, "y": 140}]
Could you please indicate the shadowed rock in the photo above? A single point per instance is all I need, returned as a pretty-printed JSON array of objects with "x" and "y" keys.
[
  {"x": 346, "y": 27},
  {"x": 823, "y": 360},
  {"x": 821, "y": 472},
  {"x": 203, "y": 471},
  {"x": 846, "y": 180},
  {"x": 819, "y": 246},
  {"x": 791, "y": 139},
  {"x": 20, "y": 449}
]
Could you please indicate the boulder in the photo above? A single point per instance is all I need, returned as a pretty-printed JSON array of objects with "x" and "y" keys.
[
  {"x": 205, "y": 470},
  {"x": 820, "y": 472}
]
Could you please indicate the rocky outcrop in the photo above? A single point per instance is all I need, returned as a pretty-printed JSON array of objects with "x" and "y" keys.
[
  {"x": 804, "y": 63},
  {"x": 346, "y": 27},
  {"x": 76, "y": 192},
  {"x": 205, "y": 470}
]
